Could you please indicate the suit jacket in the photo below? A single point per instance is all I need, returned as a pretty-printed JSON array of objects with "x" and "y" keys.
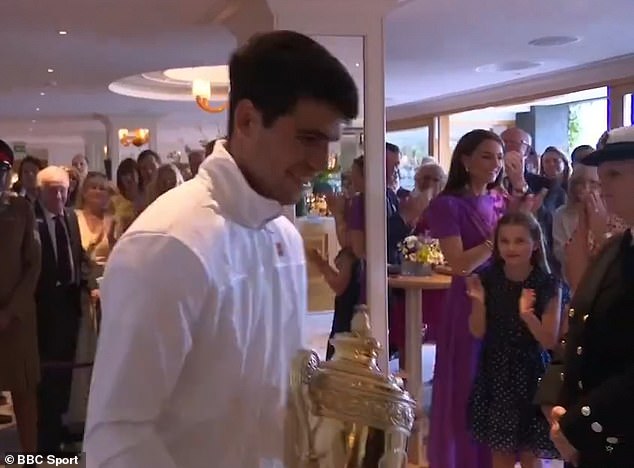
[
  {"x": 58, "y": 310},
  {"x": 397, "y": 229},
  {"x": 19, "y": 270},
  {"x": 597, "y": 382}
]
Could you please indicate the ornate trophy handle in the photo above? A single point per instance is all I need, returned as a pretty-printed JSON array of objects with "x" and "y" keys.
[{"x": 304, "y": 366}]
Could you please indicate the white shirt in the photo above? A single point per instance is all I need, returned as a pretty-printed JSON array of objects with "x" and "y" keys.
[
  {"x": 565, "y": 221},
  {"x": 203, "y": 303}
]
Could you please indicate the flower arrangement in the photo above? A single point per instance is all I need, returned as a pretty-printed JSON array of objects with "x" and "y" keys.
[{"x": 421, "y": 250}]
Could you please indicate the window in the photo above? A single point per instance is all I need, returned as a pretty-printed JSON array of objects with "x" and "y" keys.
[{"x": 414, "y": 145}]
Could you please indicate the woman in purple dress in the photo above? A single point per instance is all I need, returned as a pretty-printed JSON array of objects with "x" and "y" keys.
[{"x": 463, "y": 218}]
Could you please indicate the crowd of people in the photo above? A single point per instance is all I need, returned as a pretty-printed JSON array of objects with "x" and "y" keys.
[
  {"x": 517, "y": 238},
  {"x": 200, "y": 309},
  {"x": 59, "y": 227}
]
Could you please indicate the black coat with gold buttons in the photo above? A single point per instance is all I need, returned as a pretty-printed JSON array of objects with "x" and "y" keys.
[{"x": 597, "y": 379}]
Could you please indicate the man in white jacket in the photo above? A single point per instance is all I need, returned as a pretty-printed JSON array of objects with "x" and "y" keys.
[{"x": 203, "y": 297}]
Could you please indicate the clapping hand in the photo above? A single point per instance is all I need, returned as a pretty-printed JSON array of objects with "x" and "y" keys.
[
  {"x": 475, "y": 290},
  {"x": 527, "y": 303},
  {"x": 514, "y": 168},
  {"x": 597, "y": 215},
  {"x": 411, "y": 208},
  {"x": 565, "y": 448}
]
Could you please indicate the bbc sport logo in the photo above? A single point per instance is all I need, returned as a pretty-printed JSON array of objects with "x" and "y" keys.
[{"x": 19, "y": 459}]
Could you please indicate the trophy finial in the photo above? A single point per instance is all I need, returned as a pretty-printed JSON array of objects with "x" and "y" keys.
[{"x": 360, "y": 324}]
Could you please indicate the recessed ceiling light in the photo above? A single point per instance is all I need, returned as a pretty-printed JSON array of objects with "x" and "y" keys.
[
  {"x": 554, "y": 41},
  {"x": 33, "y": 121},
  {"x": 512, "y": 66},
  {"x": 50, "y": 70},
  {"x": 37, "y": 109},
  {"x": 357, "y": 64},
  {"x": 62, "y": 32},
  {"x": 42, "y": 93}
]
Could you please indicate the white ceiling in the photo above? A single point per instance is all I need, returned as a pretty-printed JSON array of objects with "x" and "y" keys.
[{"x": 433, "y": 49}]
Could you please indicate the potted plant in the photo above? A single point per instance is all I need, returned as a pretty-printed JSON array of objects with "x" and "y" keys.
[{"x": 419, "y": 255}]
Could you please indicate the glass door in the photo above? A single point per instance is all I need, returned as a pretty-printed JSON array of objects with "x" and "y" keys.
[{"x": 414, "y": 144}]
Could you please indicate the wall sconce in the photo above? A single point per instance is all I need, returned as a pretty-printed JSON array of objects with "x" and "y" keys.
[
  {"x": 138, "y": 138},
  {"x": 202, "y": 93}
]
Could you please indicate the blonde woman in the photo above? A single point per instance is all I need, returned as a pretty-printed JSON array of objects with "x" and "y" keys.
[
  {"x": 95, "y": 226},
  {"x": 584, "y": 205}
]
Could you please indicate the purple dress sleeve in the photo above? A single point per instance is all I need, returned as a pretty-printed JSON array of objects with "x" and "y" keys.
[
  {"x": 356, "y": 215},
  {"x": 442, "y": 217}
]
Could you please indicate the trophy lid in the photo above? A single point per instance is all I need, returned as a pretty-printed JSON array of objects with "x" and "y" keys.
[{"x": 352, "y": 388}]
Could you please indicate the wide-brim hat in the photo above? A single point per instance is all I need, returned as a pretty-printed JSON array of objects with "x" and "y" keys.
[
  {"x": 614, "y": 145},
  {"x": 6, "y": 155}
]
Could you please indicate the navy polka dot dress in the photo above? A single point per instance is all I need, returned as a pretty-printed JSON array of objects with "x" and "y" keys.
[{"x": 501, "y": 410}]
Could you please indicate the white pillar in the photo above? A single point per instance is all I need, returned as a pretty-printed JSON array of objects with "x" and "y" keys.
[
  {"x": 375, "y": 187},
  {"x": 358, "y": 18},
  {"x": 95, "y": 144}
]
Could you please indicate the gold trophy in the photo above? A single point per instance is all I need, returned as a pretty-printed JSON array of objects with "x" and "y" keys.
[{"x": 350, "y": 414}]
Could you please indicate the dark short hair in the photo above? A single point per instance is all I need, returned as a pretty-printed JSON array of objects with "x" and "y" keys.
[
  {"x": 6, "y": 149},
  {"x": 392, "y": 148},
  {"x": 574, "y": 156},
  {"x": 274, "y": 70},
  {"x": 148, "y": 153},
  {"x": 32, "y": 161},
  {"x": 127, "y": 166}
]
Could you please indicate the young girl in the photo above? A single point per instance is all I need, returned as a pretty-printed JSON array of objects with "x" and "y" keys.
[
  {"x": 344, "y": 281},
  {"x": 516, "y": 304}
]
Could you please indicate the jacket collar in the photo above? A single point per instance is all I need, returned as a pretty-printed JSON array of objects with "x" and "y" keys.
[{"x": 231, "y": 191}]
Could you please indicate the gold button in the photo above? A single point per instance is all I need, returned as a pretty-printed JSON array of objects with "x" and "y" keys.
[
  {"x": 580, "y": 385},
  {"x": 585, "y": 411},
  {"x": 596, "y": 427},
  {"x": 612, "y": 440},
  {"x": 579, "y": 350},
  {"x": 571, "y": 313},
  {"x": 561, "y": 376},
  {"x": 585, "y": 317}
]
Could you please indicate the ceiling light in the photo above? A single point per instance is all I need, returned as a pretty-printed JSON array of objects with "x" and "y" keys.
[
  {"x": 357, "y": 64},
  {"x": 42, "y": 93},
  {"x": 554, "y": 41},
  {"x": 50, "y": 70},
  {"x": 62, "y": 33},
  {"x": 202, "y": 93},
  {"x": 33, "y": 121},
  {"x": 37, "y": 109},
  {"x": 512, "y": 66}
]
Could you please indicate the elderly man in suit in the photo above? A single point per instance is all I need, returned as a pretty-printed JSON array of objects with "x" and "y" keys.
[
  {"x": 593, "y": 426},
  {"x": 19, "y": 270},
  {"x": 64, "y": 273}
]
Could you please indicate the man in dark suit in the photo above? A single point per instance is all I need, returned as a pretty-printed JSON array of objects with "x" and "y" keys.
[
  {"x": 593, "y": 426},
  {"x": 63, "y": 275}
]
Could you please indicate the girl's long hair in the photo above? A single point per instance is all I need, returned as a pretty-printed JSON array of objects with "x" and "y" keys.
[{"x": 539, "y": 257}]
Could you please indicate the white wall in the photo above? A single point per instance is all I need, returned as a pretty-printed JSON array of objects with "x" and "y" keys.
[{"x": 56, "y": 153}]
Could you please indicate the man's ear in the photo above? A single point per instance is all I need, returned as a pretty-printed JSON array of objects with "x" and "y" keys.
[{"x": 246, "y": 118}]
